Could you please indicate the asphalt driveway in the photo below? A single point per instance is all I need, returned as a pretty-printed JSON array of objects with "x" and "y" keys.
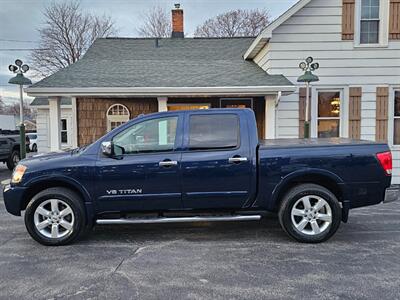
[{"x": 252, "y": 260}]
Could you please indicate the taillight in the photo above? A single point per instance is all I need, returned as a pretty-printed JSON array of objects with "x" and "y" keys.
[{"x": 385, "y": 159}]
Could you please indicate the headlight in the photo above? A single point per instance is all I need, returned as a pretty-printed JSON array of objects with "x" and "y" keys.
[{"x": 18, "y": 173}]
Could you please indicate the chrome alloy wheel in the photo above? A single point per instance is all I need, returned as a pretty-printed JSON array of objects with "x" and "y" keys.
[
  {"x": 311, "y": 215},
  {"x": 54, "y": 219}
]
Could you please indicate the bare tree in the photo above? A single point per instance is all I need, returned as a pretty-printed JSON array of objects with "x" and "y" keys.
[
  {"x": 14, "y": 108},
  {"x": 156, "y": 23},
  {"x": 67, "y": 34},
  {"x": 235, "y": 23}
]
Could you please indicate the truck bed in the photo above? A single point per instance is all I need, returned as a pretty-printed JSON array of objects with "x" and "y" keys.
[{"x": 306, "y": 143}]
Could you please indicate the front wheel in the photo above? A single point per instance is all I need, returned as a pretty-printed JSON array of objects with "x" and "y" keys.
[
  {"x": 55, "y": 217},
  {"x": 310, "y": 213}
]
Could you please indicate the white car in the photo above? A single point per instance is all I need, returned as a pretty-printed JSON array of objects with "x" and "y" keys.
[{"x": 33, "y": 141}]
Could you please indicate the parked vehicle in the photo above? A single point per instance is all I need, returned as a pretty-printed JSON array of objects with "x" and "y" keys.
[
  {"x": 33, "y": 141},
  {"x": 199, "y": 166},
  {"x": 10, "y": 148}
]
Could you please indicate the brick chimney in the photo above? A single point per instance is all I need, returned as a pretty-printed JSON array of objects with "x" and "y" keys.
[{"x": 177, "y": 22}]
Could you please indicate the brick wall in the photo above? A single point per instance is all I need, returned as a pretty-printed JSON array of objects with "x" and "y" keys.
[{"x": 92, "y": 121}]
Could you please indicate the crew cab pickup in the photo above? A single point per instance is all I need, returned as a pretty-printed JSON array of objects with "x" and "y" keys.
[{"x": 188, "y": 166}]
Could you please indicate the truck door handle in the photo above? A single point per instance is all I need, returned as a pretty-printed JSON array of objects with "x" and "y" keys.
[
  {"x": 168, "y": 163},
  {"x": 237, "y": 160}
]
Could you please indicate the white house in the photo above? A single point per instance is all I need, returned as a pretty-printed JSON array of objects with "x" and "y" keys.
[{"x": 356, "y": 42}]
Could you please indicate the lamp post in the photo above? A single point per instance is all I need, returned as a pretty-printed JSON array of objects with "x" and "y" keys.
[
  {"x": 308, "y": 67},
  {"x": 19, "y": 68}
]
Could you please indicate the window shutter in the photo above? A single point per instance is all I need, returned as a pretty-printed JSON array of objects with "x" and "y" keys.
[
  {"x": 302, "y": 111},
  {"x": 355, "y": 113},
  {"x": 382, "y": 105},
  {"x": 394, "y": 20},
  {"x": 348, "y": 15}
]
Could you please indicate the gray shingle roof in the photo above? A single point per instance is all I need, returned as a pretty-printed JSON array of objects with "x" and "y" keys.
[
  {"x": 42, "y": 101},
  {"x": 189, "y": 62}
]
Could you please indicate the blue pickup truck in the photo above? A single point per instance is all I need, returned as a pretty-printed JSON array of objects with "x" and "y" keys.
[{"x": 191, "y": 166}]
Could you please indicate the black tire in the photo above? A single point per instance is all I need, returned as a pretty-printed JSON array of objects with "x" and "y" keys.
[
  {"x": 292, "y": 197},
  {"x": 70, "y": 198},
  {"x": 12, "y": 160},
  {"x": 34, "y": 148}
]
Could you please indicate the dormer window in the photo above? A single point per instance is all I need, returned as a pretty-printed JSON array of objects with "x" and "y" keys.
[{"x": 370, "y": 19}]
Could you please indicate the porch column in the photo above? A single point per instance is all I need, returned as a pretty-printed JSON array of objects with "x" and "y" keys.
[
  {"x": 162, "y": 103},
  {"x": 55, "y": 123},
  {"x": 74, "y": 129},
  {"x": 270, "y": 117}
]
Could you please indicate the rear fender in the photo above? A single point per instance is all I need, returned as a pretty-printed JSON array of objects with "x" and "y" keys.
[{"x": 306, "y": 175}]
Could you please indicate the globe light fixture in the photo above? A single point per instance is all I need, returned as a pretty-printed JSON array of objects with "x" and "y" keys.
[
  {"x": 19, "y": 69},
  {"x": 308, "y": 66}
]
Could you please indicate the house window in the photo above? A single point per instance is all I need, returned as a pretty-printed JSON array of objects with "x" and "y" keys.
[
  {"x": 329, "y": 114},
  {"x": 64, "y": 131},
  {"x": 370, "y": 22},
  {"x": 117, "y": 115},
  {"x": 396, "y": 127},
  {"x": 188, "y": 106}
]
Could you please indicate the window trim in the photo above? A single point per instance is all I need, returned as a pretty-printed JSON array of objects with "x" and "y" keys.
[
  {"x": 66, "y": 131},
  {"x": 344, "y": 111},
  {"x": 384, "y": 6},
  {"x": 177, "y": 136},
  {"x": 187, "y": 142},
  {"x": 108, "y": 119}
]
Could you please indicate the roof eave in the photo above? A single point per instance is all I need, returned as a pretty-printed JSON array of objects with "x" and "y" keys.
[
  {"x": 264, "y": 37},
  {"x": 159, "y": 91}
]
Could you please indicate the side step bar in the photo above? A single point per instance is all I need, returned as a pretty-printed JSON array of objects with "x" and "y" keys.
[{"x": 161, "y": 220}]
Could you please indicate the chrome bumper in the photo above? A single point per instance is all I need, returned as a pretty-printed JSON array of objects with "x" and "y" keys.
[{"x": 392, "y": 194}]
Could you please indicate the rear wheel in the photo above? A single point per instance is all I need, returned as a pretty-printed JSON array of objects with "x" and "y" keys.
[
  {"x": 310, "y": 213},
  {"x": 55, "y": 217},
  {"x": 34, "y": 148},
  {"x": 13, "y": 160}
]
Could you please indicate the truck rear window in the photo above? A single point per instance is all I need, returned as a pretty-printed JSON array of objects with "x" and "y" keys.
[{"x": 213, "y": 131}]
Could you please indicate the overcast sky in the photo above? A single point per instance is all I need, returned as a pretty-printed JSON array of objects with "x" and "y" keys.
[{"x": 20, "y": 19}]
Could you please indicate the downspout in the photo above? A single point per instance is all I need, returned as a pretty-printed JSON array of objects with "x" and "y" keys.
[{"x": 278, "y": 99}]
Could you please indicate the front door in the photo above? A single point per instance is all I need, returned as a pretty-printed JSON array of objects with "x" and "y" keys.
[
  {"x": 217, "y": 165},
  {"x": 146, "y": 176}
]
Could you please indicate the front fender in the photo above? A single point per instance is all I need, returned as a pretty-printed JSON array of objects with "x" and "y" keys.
[{"x": 69, "y": 181}]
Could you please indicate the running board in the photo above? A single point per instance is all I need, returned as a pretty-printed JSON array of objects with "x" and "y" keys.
[{"x": 177, "y": 220}]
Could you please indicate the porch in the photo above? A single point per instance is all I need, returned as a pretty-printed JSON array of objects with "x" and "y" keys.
[{"x": 92, "y": 117}]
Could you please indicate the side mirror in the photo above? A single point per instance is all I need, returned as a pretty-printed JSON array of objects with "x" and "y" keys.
[{"x": 107, "y": 148}]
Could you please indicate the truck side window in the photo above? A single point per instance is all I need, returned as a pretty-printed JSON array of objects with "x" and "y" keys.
[
  {"x": 157, "y": 135},
  {"x": 219, "y": 131}
]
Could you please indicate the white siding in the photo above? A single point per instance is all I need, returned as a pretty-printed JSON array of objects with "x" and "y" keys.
[
  {"x": 42, "y": 127},
  {"x": 315, "y": 31}
]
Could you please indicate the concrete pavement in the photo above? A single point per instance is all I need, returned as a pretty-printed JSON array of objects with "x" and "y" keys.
[{"x": 247, "y": 260}]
